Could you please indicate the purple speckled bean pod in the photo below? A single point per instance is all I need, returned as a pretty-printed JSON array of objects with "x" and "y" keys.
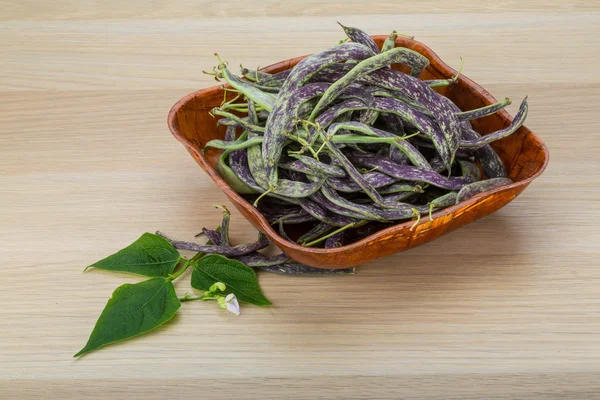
[
  {"x": 239, "y": 164},
  {"x": 490, "y": 161},
  {"x": 238, "y": 161},
  {"x": 516, "y": 123},
  {"x": 392, "y": 212},
  {"x": 402, "y": 55},
  {"x": 282, "y": 264},
  {"x": 230, "y": 133},
  {"x": 288, "y": 213},
  {"x": 408, "y": 173},
  {"x": 437, "y": 164},
  {"x": 233, "y": 144},
  {"x": 254, "y": 75},
  {"x": 493, "y": 167},
  {"x": 320, "y": 214},
  {"x": 274, "y": 213},
  {"x": 338, "y": 211},
  {"x": 252, "y": 115},
  {"x": 375, "y": 179},
  {"x": 336, "y": 240},
  {"x": 354, "y": 174},
  {"x": 396, "y": 126},
  {"x": 263, "y": 115},
  {"x": 390, "y": 42},
  {"x": 472, "y": 189},
  {"x": 266, "y": 79},
  {"x": 282, "y": 232},
  {"x": 396, "y": 107},
  {"x": 363, "y": 90},
  {"x": 313, "y": 209},
  {"x": 332, "y": 73},
  {"x": 359, "y": 36},
  {"x": 463, "y": 154},
  {"x": 260, "y": 260},
  {"x": 333, "y": 112},
  {"x": 293, "y": 268},
  {"x": 213, "y": 236},
  {"x": 233, "y": 251},
  {"x": 278, "y": 124},
  {"x": 345, "y": 117},
  {"x": 430, "y": 99},
  {"x": 483, "y": 111},
  {"x": 368, "y": 116},
  {"x": 224, "y": 233},
  {"x": 363, "y": 211},
  {"x": 311, "y": 163},
  {"x": 447, "y": 200},
  {"x": 297, "y": 166},
  {"x": 318, "y": 230},
  {"x": 397, "y": 156},
  {"x": 284, "y": 187},
  {"x": 401, "y": 187},
  {"x": 231, "y": 177},
  {"x": 420, "y": 121},
  {"x": 398, "y": 197},
  {"x": 228, "y": 122},
  {"x": 296, "y": 219},
  {"x": 327, "y": 218},
  {"x": 298, "y": 176},
  {"x": 401, "y": 211},
  {"x": 394, "y": 122},
  {"x": 469, "y": 169},
  {"x": 281, "y": 123},
  {"x": 277, "y": 79}
]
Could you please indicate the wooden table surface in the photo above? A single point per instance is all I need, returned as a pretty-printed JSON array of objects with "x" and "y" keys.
[{"x": 508, "y": 307}]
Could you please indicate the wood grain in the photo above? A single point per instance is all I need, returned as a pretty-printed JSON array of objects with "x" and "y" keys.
[{"x": 505, "y": 308}]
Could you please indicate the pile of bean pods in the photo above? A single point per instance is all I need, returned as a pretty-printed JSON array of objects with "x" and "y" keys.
[{"x": 345, "y": 145}]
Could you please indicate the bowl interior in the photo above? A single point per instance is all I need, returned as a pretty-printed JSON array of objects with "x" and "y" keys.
[{"x": 524, "y": 155}]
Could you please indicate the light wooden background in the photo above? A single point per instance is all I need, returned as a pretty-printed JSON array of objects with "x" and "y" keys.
[{"x": 508, "y": 307}]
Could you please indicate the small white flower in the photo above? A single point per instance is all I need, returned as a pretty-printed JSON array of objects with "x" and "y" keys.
[{"x": 232, "y": 304}]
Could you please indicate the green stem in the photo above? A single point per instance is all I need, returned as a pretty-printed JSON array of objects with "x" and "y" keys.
[
  {"x": 405, "y": 137},
  {"x": 418, "y": 214},
  {"x": 261, "y": 196},
  {"x": 196, "y": 258},
  {"x": 242, "y": 109},
  {"x": 343, "y": 228},
  {"x": 324, "y": 138},
  {"x": 186, "y": 264},
  {"x": 231, "y": 90},
  {"x": 205, "y": 296},
  {"x": 184, "y": 299}
]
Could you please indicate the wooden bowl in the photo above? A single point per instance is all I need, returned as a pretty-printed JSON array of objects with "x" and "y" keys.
[{"x": 524, "y": 154}]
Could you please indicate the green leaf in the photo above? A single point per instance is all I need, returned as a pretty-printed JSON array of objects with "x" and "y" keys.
[
  {"x": 133, "y": 310},
  {"x": 150, "y": 255},
  {"x": 240, "y": 279}
]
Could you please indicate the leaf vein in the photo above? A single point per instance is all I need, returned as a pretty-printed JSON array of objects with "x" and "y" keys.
[{"x": 134, "y": 313}]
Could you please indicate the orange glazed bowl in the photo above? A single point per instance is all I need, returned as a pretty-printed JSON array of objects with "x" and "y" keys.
[{"x": 524, "y": 155}]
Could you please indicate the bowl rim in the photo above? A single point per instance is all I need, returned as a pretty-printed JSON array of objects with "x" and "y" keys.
[{"x": 402, "y": 228}]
